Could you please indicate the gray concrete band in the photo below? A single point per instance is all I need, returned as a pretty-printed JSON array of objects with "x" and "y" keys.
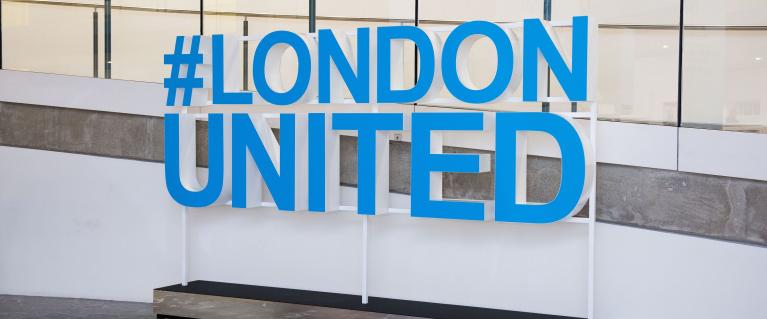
[{"x": 716, "y": 207}]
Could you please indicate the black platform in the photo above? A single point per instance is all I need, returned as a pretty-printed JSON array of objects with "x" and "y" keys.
[{"x": 344, "y": 301}]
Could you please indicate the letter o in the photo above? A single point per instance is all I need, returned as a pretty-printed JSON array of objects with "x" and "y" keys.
[
  {"x": 266, "y": 71},
  {"x": 453, "y": 49}
]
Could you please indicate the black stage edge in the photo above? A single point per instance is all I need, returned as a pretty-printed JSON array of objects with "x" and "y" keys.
[{"x": 349, "y": 302}]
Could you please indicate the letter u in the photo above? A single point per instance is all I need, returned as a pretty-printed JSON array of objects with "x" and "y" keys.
[{"x": 180, "y": 161}]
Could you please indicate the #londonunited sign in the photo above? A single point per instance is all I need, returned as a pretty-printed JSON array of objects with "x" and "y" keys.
[{"x": 301, "y": 171}]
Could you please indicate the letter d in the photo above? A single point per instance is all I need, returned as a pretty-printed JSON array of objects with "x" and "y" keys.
[{"x": 577, "y": 169}]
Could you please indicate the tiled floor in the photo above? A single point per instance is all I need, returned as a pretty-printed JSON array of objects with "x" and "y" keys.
[{"x": 23, "y": 307}]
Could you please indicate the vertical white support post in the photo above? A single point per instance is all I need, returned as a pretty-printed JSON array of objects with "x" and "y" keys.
[
  {"x": 521, "y": 169},
  {"x": 332, "y": 167},
  {"x": 188, "y": 157},
  {"x": 364, "y": 259},
  {"x": 184, "y": 249},
  {"x": 382, "y": 172},
  {"x": 436, "y": 143},
  {"x": 592, "y": 208},
  {"x": 302, "y": 161}
]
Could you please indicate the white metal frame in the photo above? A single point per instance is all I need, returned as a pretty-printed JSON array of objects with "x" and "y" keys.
[
  {"x": 436, "y": 190},
  {"x": 593, "y": 117},
  {"x": 589, "y": 221}
]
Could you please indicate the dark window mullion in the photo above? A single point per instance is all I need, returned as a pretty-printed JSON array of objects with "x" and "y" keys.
[
  {"x": 679, "y": 71},
  {"x": 546, "y": 106},
  {"x": 1, "y": 34},
  {"x": 312, "y": 16}
]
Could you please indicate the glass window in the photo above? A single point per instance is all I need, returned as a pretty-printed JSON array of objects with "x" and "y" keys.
[
  {"x": 372, "y": 10},
  {"x": 348, "y": 15},
  {"x": 441, "y": 11},
  {"x": 227, "y": 17},
  {"x": 725, "y": 65},
  {"x": 261, "y": 17},
  {"x": 70, "y": 37},
  {"x": 51, "y": 37},
  {"x": 143, "y": 31},
  {"x": 482, "y": 59},
  {"x": 638, "y": 51},
  {"x": 638, "y": 57},
  {"x": 724, "y": 60}
]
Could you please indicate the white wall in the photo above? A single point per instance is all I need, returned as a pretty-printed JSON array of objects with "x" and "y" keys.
[
  {"x": 648, "y": 274},
  {"x": 711, "y": 152},
  {"x": 84, "y": 226}
]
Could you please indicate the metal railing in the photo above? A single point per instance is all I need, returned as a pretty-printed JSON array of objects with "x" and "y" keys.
[{"x": 312, "y": 18}]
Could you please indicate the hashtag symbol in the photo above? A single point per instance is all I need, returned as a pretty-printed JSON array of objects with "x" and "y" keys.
[{"x": 176, "y": 61}]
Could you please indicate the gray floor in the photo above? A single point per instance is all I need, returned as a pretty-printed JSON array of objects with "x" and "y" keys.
[{"x": 23, "y": 307}]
